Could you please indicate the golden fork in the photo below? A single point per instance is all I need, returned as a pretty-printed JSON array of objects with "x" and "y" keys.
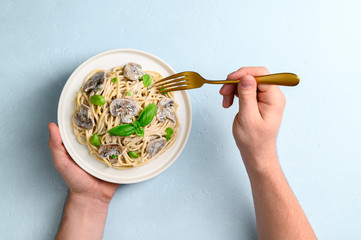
[{"x": 190, "y": 80}]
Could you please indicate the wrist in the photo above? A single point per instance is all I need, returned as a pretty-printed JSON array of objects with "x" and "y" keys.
[
  {"x": 261, "y": 164},
  {"x": 88, "y": 203},
  {"x": 84, "y": 218}
]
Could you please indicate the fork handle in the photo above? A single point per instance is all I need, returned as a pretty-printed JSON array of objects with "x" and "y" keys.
[{"x": 283, "y": 79}]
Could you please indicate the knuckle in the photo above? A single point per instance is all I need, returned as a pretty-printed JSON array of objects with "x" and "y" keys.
[
  {"x": 264, "y": 69},
  {"x": 246, "y": 70},
  {"x": 279, "y": 99},
  {"x": 282, "y": 100},
  {"x": 221, "y": 90},
  {"x": 242, "y": 70}
]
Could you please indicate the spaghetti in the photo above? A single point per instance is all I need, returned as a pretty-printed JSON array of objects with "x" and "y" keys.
[{"x": 90, "y": 119}]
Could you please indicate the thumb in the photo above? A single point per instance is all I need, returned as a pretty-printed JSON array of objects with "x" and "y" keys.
[
  {"x": 61, "y": 157},
  {"x": 55, "y": 141},
  {"x": 247, "y": 94}
]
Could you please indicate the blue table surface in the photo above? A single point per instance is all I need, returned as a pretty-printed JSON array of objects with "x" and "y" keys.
[{"x": 205, "y": 194}]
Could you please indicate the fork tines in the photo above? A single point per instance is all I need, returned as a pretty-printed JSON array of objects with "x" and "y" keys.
[{"x": 174, "y": 82}]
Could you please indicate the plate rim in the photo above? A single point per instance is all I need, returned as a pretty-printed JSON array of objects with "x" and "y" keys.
[{"x": 62, "y": 131}]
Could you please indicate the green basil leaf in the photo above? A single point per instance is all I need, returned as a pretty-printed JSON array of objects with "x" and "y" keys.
[
  {"x": 139, "y": 131},
  {"x": 122, "y": 130},
  {"x": 147, "y": 115},
  {"x": 147, "y": 80},
  {"x": 129, "y": 93},
  {"x": 95, "y": 140},
  {"x": 162, "y": 90},
  {"x": 113, "y": 156},
  {"x": 98, "y": 100},
  {"x": 169, "y": 132},
  {"x": 136, "y": 124},
  {"x": 133, "y": 154},
  {"x": 114, "y": 80}
]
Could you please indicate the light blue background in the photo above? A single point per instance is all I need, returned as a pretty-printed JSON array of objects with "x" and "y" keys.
[{"x": 206, "y": 193}]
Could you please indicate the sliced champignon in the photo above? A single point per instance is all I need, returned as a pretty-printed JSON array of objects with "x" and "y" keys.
[
  {"x": 166, "y": 110},
  {"x": 95, "y": 83},
  {"x": 83, "y": 117},
  {"x": 133, "y": 71},
  {"x": 109, "y": 150},
  {"x": 125, "y": 108},
  {"x": 156, "y": 145},
  {"x": 166, "y": 102}
]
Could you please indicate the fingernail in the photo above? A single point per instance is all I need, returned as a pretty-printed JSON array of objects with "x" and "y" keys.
[
  {"x": 246, "y": 82},
  {"x": 224, "y": 102}
]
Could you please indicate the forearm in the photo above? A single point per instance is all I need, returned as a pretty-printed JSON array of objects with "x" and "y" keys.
[
  {"x": 83, "y": 218},
  {"x": 278, "y": 213}
]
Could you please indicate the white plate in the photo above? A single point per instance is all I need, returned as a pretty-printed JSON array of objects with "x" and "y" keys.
[{"x": 80, "y": 153}]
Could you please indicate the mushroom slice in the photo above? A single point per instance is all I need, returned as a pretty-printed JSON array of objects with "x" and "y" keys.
[
  {"x": 156, "y": 145},
  {"x": 95, "y": 83},
  {"x": 83, "y": 117},
  {"x": 166, "y": 110},
  {"x": 110, "y": 149},
  {"x": 125, "y": 108},
  {"x": 166, "y": 102},
  {"x": 133, "y": 71}
]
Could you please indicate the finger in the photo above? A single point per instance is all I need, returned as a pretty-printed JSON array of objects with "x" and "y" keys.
[
  {"x": 254, "y": 71},
  {"x": 247, "y": 91},
  {"x": 228, "y": 92},
  {"x": 55, "y": 141},
  {"x": 266, "y": 93},
  {"x": 61, "y": 157},
  {"x": 265, "y": 87},
  {"x": 270, "y": 95},
  {"x": 271, "y": 100},
  {"x": 228, "y": 101},
  {"x": 228, "y": 89}
]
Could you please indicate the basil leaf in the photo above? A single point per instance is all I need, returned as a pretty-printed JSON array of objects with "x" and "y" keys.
[
  {"x": 147, "y": 80},
  {"x": 139, "y": 131},
  {"x": 122, "y": 130},
  {"x": 147, "y": 115},
  {"x": 114, "y": 80},
  {"x": 136, "y": 124},
  {"x": 169, "y": 132},
  {"x": 129, "y": 93},
  {"x": 95, "y": 140},
  {"x": 162, "y": 90},
  {"x": 113, "y": 156},
  {"x": 98, "y": 100},
  {"x": 133, "y": 154}
]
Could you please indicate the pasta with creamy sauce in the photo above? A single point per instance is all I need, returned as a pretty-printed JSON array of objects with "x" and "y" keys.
[{"x": 123, "y": 120}]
